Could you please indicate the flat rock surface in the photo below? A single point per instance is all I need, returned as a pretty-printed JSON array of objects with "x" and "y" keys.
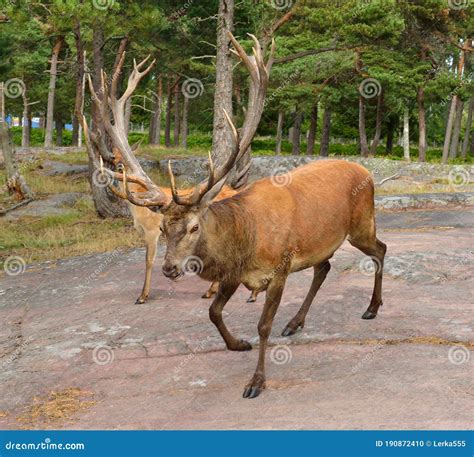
[
  {"x": 72, "y": 325},
  {"x": 54, "y": 205}
]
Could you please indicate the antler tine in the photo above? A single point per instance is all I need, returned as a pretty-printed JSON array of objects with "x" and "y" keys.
[
  {"x": 95, "y": 96},
  {"x": 244, "y": 57},
  {"x": 259, "y": 58},
  {"x": 211, "y": 171},
  {"x": 115, "y": 77},
  {"x": 272, "y": 56},
  {"x": 135, "y": 78},
  {"x": 158, "y": 201},
  {"x": 136, "y": 66},
  {"x": 257, "y": 49},
  {"x": 224, "y": 170},
  {"x": 235, "y": 134},
  {"x": 174, "y": 192}
]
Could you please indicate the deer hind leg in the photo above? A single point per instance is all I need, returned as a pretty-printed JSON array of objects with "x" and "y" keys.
[
  {"x": 253, "y": 297},
  {"x": 374, "y": 248},
  {"x": 213, "y": 288},
  {"x": 151, "y": 241},
  {"x": 272, "y": 301},
  {"x": 215, "y": 313},
  {"x": 320, "y": 273}
]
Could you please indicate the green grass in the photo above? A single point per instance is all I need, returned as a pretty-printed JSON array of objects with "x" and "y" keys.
[{"x": 78, "y": 232}]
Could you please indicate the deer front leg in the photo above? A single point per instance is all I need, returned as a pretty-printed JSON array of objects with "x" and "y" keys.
[
  {"x": 151, "y": 241},
  {"x": 215, "y": 313},
  {"x": 272, "y": 301}
]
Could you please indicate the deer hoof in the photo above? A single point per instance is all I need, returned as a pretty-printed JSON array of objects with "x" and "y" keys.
[
  {"x": 288, "y": 331},
  {"x": 369, "y": 315},
  {"x": 251, "y": 300},
  {"x": 291, "y": 329},
  {"x": 254, "y": 388},
  {"x": 141, "y": 300},
  {"x": 241, "y": 346}
]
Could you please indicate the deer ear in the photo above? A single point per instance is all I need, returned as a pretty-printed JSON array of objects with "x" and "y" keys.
[{"x": 212, "y": 193}]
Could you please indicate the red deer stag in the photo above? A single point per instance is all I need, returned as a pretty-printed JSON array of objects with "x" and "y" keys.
[
  {"x": 261, "y": 235},
  {"x": 147, "y": 221}
]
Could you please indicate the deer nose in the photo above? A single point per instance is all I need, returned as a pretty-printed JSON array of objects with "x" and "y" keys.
[{"x": 170, "y": 271}]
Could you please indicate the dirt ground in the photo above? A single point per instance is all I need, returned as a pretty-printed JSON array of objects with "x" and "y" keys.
[{"x": 76, "y": 353}]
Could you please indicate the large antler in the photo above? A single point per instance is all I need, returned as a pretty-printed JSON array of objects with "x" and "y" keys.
[
  {"x": 112, "y": 113},
  {"x": 259, "y": 73}
]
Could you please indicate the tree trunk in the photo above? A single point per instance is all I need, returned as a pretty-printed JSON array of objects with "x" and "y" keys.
[
  {"x": 465, "y": 143},
  {"x": 155, "y": 126},
  {"x": 472, "y": 145},
  {"x": 312, "y": 130},
  {"x": 449, "y": 129},
  {"x": 391, "y": 127},
  {"x": 296, "y": 149},
  {"x": 406, "y": 134},
  {"x": 176, "y": 114},
  {"x": 222, "y": 140},
  {"x": 59, "y": 130},
  {"x": 421, "y": 125},
  {"x": 326, "y": 131},
  {"x": 453, "y": 152},
  {"x": 378, "y": 125},
  {"x": 364, "y": 147},
  {"x": 48, "y": 138},
  {"x": 30, "y": 125},
  {"x": 80, "y": 73},
  {"x": 279, "y": 133},
  {"x": 184, "y": 124},
  {"x": 15, "y": 182},
  {"x": 169, "y": 102},
  {"x": 26, "y": 132},
  {"x": 452, "y": 112}
]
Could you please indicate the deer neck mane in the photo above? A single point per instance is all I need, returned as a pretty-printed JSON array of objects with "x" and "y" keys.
[{"x": 227, "y": 244}]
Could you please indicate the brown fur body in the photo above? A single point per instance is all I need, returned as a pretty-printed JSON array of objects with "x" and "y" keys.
[{"x": 310, "y": 217}]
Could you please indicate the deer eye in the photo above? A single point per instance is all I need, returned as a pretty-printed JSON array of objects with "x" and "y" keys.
[{"x": 195, "y": 228}]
